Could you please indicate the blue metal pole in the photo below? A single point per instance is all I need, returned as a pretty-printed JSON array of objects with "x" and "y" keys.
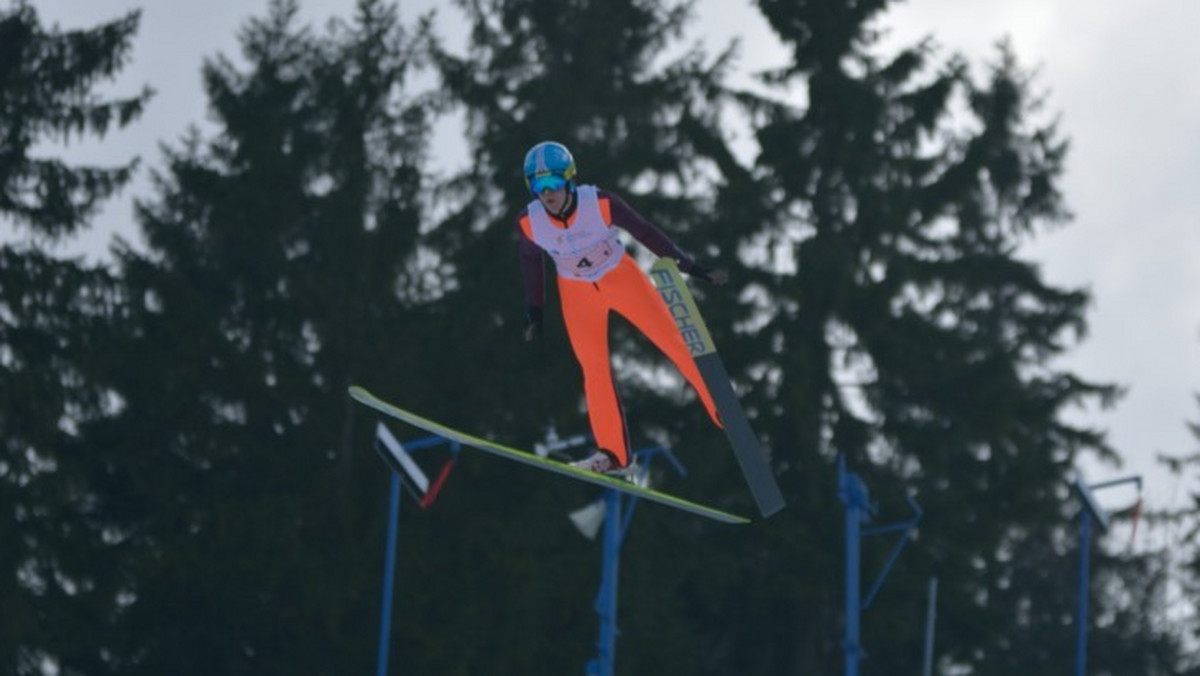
[
  {"x": 606, "y": 603},
  {"x": 389, "y": 576},
  {"x": 854, "y": 496},
  {"x": 852, "y": 591},
  {"x": 618, "y": 512},
  {"x": 930, "y": 620},
  {"x": 1081, "y": 619},
  {"x": 1091, "y": 510}
]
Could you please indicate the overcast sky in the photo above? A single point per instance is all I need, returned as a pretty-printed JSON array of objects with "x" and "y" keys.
[{"x": 1121, "y": 74}]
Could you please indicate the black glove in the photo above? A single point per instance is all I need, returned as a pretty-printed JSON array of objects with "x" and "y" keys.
[
  {"x": 707, "y": 274},
  {"x": 533, "y": 321}
]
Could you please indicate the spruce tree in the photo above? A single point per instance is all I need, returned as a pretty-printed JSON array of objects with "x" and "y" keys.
[
  {"x": 282, "y": 264},
  {"x": 48, "y": 79},
  {"x": 55, "y": 315},
  {"x": 894, "y": 320}
]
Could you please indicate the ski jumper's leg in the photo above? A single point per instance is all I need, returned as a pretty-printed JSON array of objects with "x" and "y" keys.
[
  {"x": 585, "y": 314},
  {"x": 631, "y": 293}
]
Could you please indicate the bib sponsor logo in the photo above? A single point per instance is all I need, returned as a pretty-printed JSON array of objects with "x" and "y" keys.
[{"x": 673, "y": 297}]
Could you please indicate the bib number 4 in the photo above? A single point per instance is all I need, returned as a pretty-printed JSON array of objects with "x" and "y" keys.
[{"x": 593, "y": 260}]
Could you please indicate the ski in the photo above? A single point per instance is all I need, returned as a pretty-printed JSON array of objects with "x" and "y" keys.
[
  {"x": 364, "y": 397},
  {"x": 750, "y": 454}
]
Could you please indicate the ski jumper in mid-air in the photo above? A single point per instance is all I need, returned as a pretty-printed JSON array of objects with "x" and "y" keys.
[{"x": 574, "y": 225}]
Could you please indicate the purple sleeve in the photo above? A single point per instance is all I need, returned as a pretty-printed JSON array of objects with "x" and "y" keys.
[
  {"x": 645, "y": 232},
  {"x": 533, "y": 269}
]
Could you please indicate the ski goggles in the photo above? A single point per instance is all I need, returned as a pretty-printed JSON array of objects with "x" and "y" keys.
[{"x": 543, "y": 182}]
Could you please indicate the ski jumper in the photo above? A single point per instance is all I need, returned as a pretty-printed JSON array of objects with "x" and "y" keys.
[{"x": 597, "y": 276}]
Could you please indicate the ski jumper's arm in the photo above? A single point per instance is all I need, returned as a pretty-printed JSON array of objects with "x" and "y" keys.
[
  {"x": 645, "y": 232},
  {"x": 533, "y": 275},
  {"x": 533, "y": 268}
]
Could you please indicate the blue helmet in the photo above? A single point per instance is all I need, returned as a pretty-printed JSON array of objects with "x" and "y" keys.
[{"x": 549, "y": 166}]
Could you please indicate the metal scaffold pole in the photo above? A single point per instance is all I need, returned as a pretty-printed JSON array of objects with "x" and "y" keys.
[{"x": 858, "y": 509}]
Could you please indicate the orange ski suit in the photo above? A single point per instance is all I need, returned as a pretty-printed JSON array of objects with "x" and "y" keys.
[{"x": 586, "y": 305}]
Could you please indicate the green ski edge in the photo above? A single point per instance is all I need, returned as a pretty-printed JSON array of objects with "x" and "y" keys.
[{"x": 363, "y": 396}]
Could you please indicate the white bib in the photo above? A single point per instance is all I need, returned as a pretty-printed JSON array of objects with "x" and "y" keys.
[{"x": 585, "y": 250}]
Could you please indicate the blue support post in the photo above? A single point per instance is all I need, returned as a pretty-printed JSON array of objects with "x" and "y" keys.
[
  {"x": 618, "y": 512},
  {"x": 1081, "y": 621},
  {"x": 1091, "y": 512},
  {"x": 606, "y": 600},
  {"x": 389, "y": 575},
  {"x": 930, "y": 620},
  {"x": 389, "y": 553},
  {"x": 853, "y": 493}
]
